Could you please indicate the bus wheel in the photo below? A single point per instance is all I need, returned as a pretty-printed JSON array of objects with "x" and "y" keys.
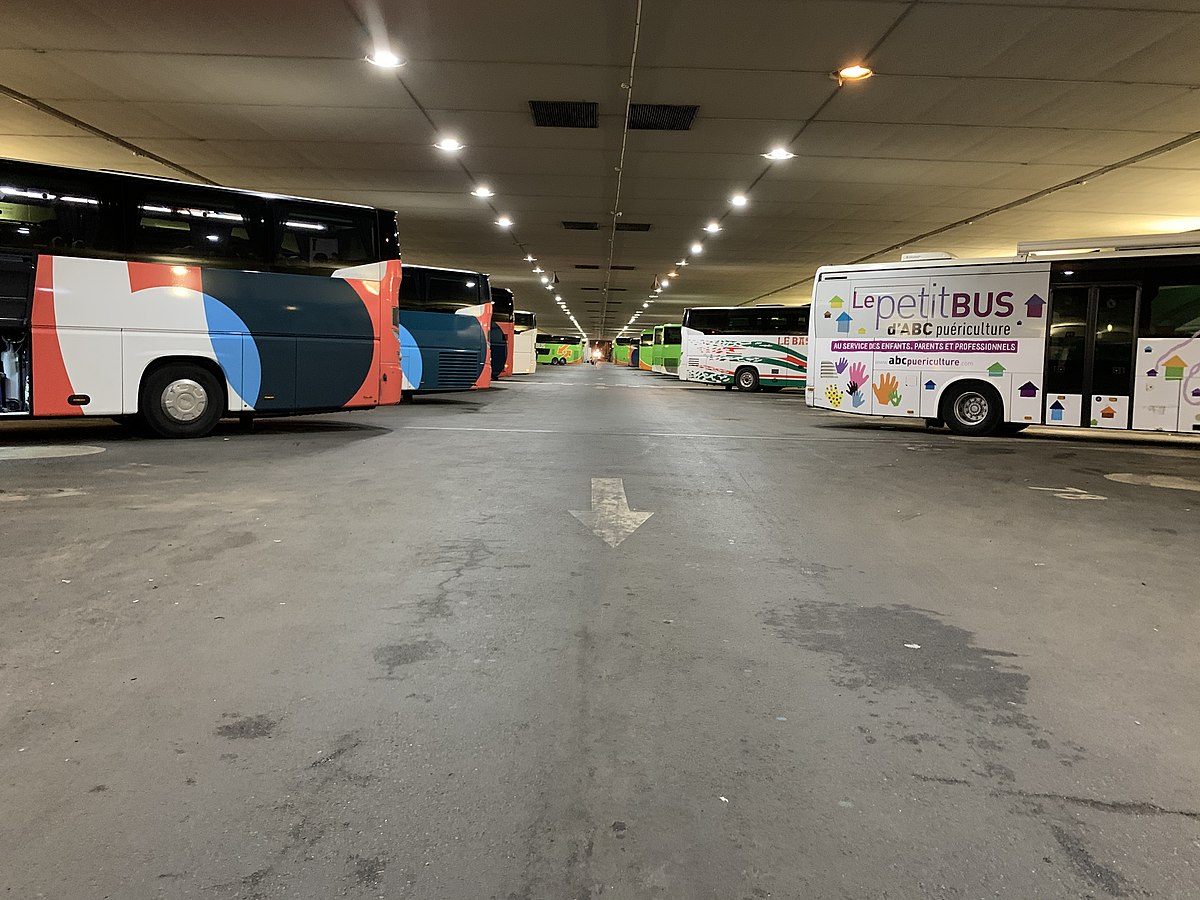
[
  {"x": 772, "y": 389},
  {"x": 972, "y": 409},
  {"x": 1011, "y": 427},
  {"x": 180, "y": 400},
  {"x": 746, "y": 379}
]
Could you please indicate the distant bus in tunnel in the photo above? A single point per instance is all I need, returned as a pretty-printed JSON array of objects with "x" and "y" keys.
[
  {"x": 667, "y": 343},
  {"x": 1096, "y": 333},
  {"x": 560, "y": 350},
  {"x": 620, "y": 351},
  {"x": 445, "y": 324},
  {"x": 524, "y": 342},
  {"x": 635, "y": 348},
  {"x": 129, "y": 296},
  {"x": 748, "y": 347},
  {"x": 646, "y": 351},
  {"x": 502, "y": 331}
]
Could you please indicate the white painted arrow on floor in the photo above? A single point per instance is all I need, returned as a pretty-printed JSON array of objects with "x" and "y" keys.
[{"x": 610, "y": 516}]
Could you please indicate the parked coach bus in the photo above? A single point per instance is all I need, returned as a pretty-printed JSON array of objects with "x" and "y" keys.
[
  {"x": 1106, "y": 334},
  {"x": 666, "y": 349},
  {"x": 646, "y": 351},
  {"x": 130, "y": 296},
  {"x": 751, "y": 348},
  {"x": 524, "y": 342},
  {"x": 620, "y": 351},
  {"x": 445, "y": 319},
  {"x": 502, "y": 332},
  {"x": 560, "y": 350}
]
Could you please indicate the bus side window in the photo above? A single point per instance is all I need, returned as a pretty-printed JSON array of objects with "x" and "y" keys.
[
  {"x": 63, "y": 218},
  {"x": 321, "y": 240},
  {"x": 199, "y": 227},
  {"x": 1174, "y": 312},
  {"x": 452, "y": 291},
  {"x": 410, "y": 288}
]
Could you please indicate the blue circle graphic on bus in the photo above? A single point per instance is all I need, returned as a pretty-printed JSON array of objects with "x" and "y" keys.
[
  {"x": 235, "y": 348},
  {"x": 410, "y": 359}
]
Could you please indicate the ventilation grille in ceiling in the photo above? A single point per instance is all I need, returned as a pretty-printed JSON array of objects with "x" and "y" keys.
[
  {"x": 610, "y": 290},
  {"x": 585, "y": 266},
  {"x": 633, "y": 226},
  {"x": 581, "y": 226},
  {"x": 565, "y": 113},
  {"x": 614, "y": 268},
  {"x": 624, "y": 268},
  {"x": 661, "y": 117}
]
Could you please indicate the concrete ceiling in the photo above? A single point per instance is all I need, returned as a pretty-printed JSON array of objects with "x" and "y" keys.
[{"x": 982, "y": 116}]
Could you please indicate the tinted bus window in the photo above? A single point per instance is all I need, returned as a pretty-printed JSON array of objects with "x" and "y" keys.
[
  {"x": 61, "y": 215},
  {"x": 525, "y": 320},
  {"x": 502, "y": 305},
  {"x": 321, "y": 238},
  {"x": 208, "y": 228},
  {"x": 671, "y": 334},
  {"x": 1174, "y": 312}
]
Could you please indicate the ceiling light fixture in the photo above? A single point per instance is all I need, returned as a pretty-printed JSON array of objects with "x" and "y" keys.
[
  {"x": 545, "y": 279},
  {"x": 738, "y": 200},
  {"x": 385, "y": 59},
  {"x": 504, "y": 222},
  {"x": 682, "y": 262},
  {"x": 646, "y": 305},
  {"x": 538, "y": 270},
  {"x": 854, "y": 72},
  {"x": 712, "y": 227},
  {"x": 483, "y": 192},
  {"x": 779, "y": 153},
  {"x": 529, "y": 257},
  {"x": 697, "y": 248},
  {"x": 664, "y": 283},
  {"x": 449, "y": 145},
  {"x": 672, "y": 274}
]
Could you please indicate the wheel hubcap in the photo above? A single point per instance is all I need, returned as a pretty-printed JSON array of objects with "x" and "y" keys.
[
  {"x": 747, "y": 379},
  {"x": 971, "y": 408},
  {"x": 184, "y": 400}
]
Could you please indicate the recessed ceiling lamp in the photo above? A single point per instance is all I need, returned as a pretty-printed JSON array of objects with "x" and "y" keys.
[
  {"x": 529, "y": 257},
  {"x": 778, "y": 153},
  {"x": 483, "y": 192},
  {"x": 738, "y": 200},
  {"x": 545, "y": 279},
  {"x": 558, "y": 299},
  {"x": 682, "y": 262},
  {"x": 697, "y": 248},
  {"x": 712, "y": 227},
  {"x": 672, "y": 274},
  {"x": 450, "y": 145},
  {"x": 504, "y": 222},
  {"x": 538, "y": 270},
  {"x": 646, "y": 305},
  {"x": 664, "y": 283},
  {"x": 385, "y": 59},
  {"x": 855, "y": 72}
]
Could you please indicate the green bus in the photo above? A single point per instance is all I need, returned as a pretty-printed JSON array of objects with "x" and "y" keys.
[
  {"x": 667, "y": 352},
  {"x": 620, "y": 351},
  {"x": 559, "y": 350},
  {"x": 646, "y": 350}
]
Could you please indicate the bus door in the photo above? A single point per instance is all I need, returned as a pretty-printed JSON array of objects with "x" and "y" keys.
[{"x": 1090, "y": 355}]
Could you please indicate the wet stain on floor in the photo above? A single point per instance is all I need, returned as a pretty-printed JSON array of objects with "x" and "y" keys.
[
  {"x": 875, "y": 647},
  {"x": 395, "y": 656},
  {"x": 249, "y": 727}
]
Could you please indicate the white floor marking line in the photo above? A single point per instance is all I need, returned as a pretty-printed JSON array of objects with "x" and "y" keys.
[
  {"x": 47, "y": 451},
  {"x": 1069, "y": 493},
  {"x": 610, "y": 517},
  {"x": 1159, "y": 481},
  {"x": 665, "y": 434}
]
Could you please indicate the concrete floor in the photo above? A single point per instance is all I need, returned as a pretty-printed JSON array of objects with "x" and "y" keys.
[{"x": 374, "y": 655}]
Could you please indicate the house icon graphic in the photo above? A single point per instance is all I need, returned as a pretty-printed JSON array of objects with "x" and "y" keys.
[
  {"x": 1108, "y": 413},
  {"x": 837, "y": 302},
  {"x": 930, "y": 385},
  {"x": 1028, "y": 389},
  {"x": 1174, "y": 368},
  {"x": 1034, "y": 307},
  {"x": 844, "y": 320},
  {"x": 1056, "y": 411},
  {"x": 995, "y": 370}
]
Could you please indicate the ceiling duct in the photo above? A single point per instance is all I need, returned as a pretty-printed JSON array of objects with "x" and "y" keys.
[
  {"x": 661, "y": 117},
  {"x": 581, "y": 226},
  {"x": 632, "y": 226},
  {"x": 565, "y": 113}
]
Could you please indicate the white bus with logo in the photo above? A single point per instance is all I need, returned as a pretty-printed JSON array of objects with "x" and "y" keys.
[
  {"x": 751, "y": 348},
  {"x": 1088, "y": 333}
]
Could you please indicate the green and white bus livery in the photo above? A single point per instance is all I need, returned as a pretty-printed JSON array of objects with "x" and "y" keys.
[{"x": 748, "y": 347}]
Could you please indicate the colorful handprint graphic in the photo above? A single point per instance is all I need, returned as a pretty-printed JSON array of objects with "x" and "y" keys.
[
  {"x": 841, "y": 364},
  {"x": 834, "y": 395},
  {"x": 858, "y": 377},
  {"x": 888, "y": 390}
]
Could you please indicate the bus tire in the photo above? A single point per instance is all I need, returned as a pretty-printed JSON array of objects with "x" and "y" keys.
[
  {"x": 771, "y": 389},
  {"x": 181, "y": 400},
  {"x": 1011, "y": 427},
  {"x": 746, "y": 379},
  {"x": 972, "y": 408}
]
